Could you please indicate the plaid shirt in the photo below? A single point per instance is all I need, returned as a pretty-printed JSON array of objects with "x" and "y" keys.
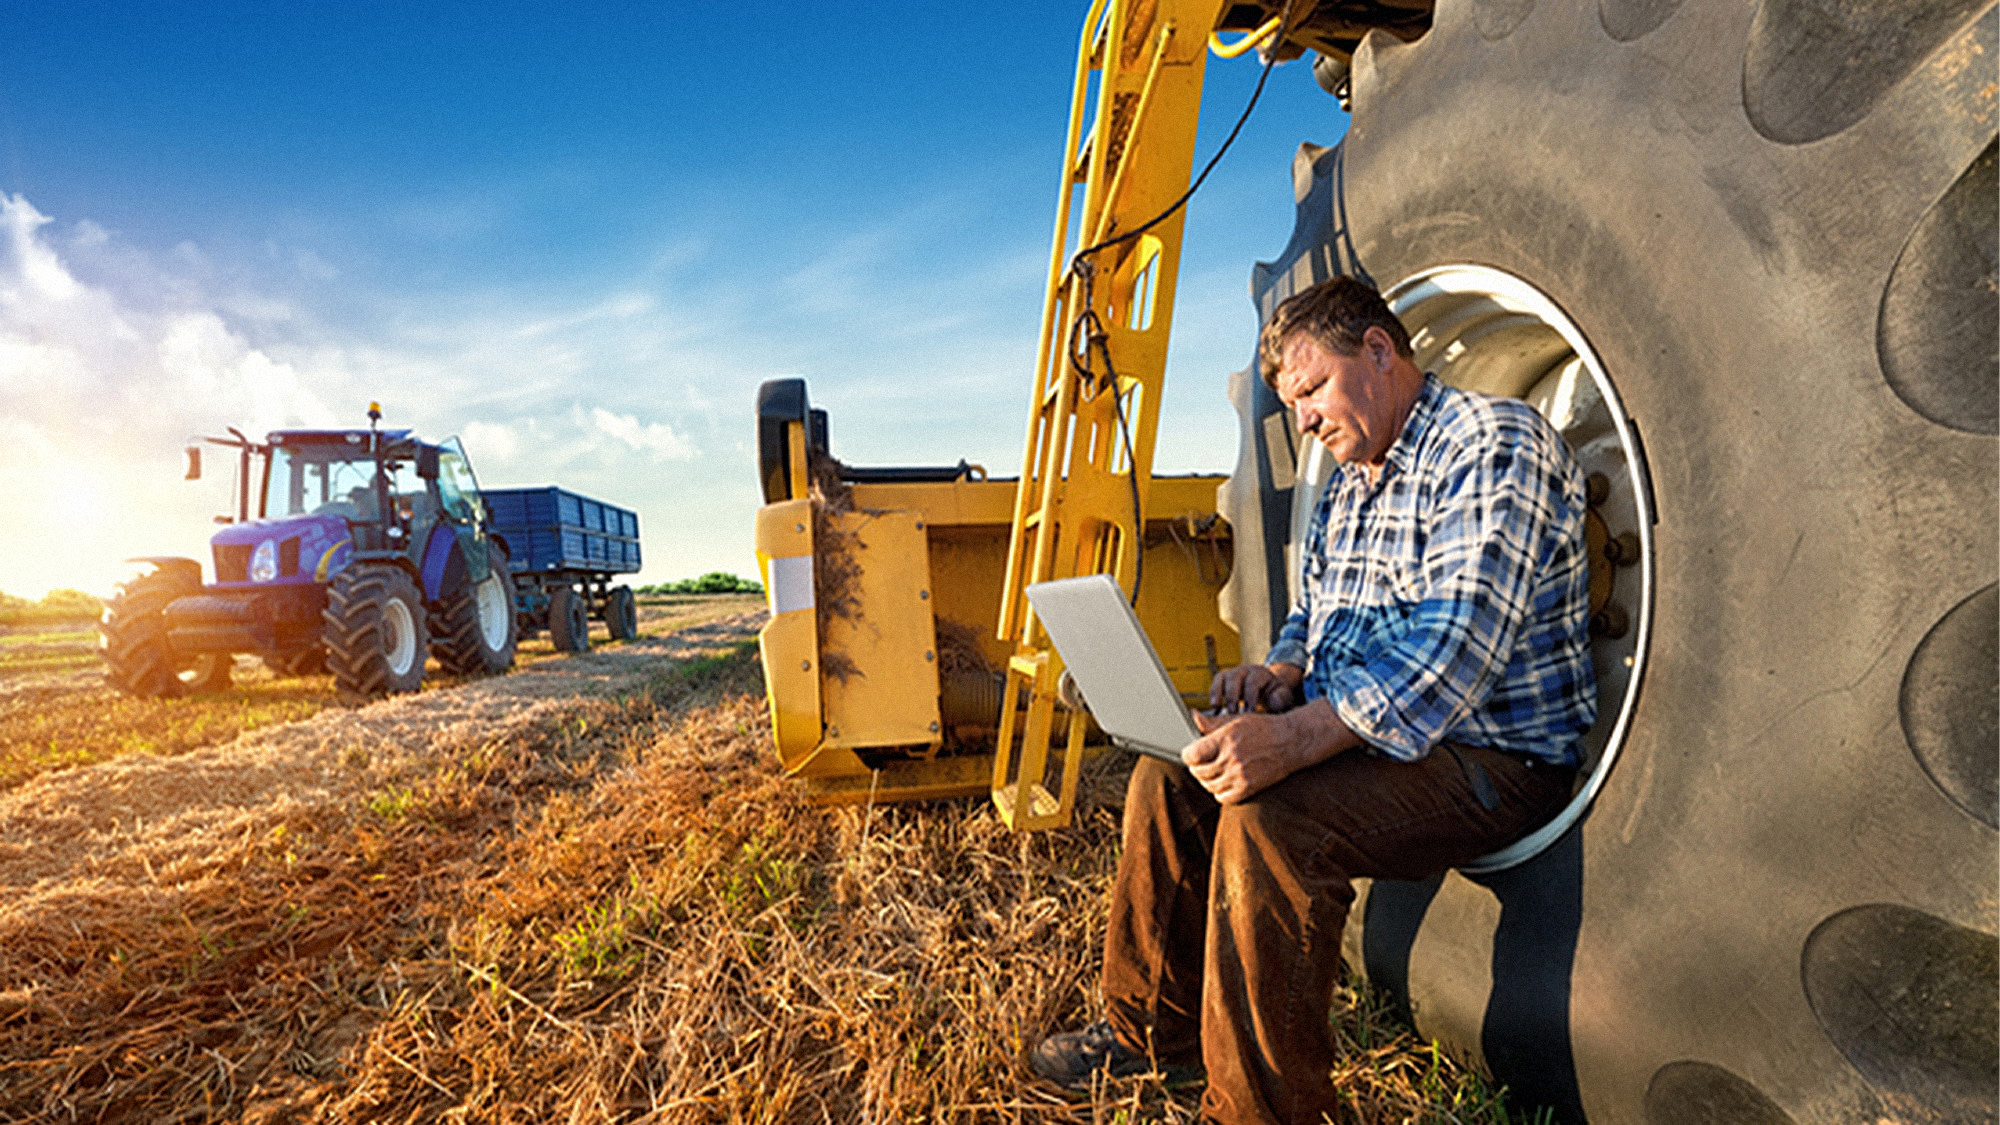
[{"x": 1450, "y": 597}]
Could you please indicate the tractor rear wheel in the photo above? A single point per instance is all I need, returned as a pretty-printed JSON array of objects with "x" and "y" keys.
[
  {"x": 132, "y": 634},
  {"x": 569, "y": 619},
  {"x": 473, "y": 631},
  {"x": 1772, "y": 227},
  {"x": 621, "y": 613},
  {"x": 374, "y": 632}
]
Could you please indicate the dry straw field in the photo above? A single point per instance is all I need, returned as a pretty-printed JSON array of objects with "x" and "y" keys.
[{"x": 576, "y": 893}]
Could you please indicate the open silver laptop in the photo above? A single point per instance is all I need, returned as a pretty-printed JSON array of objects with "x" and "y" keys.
[{"x": 1114, "y": 665}]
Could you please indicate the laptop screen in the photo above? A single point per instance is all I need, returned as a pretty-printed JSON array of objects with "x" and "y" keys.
[{"x": 1115, "y": 666}]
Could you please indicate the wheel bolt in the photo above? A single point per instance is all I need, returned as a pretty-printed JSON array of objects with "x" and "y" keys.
[
  {"x": 1623, "y": 549},
  {"x": 1596, "y": 489},
  {"x": 1610, "y": 623}
]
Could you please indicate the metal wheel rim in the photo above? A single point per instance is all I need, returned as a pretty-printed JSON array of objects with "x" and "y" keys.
[
  {"x": 494, "y": 608},
  {"x": 1475, "y": 324},
  {"x": 399, "y": 639}
]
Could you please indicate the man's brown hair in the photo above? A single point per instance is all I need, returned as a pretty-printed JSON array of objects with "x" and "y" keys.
[{"x": 1335, "y": 314}]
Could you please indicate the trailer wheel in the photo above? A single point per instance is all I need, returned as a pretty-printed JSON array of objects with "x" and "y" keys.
[
  {"x": 569, "y": 619},
  {"x": 473, "y": 631},
  {"x": 132, "y": 634},
  {"x": 1776, "y": 230},
  {"x": 621, "y": 613},
  {"x": 374, "y": 632}
]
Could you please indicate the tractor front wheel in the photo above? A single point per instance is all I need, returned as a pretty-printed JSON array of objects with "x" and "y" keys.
[
  {"x": 473, "y": 632},
  {"x": 375, "y": 635},
  {"x": 132, "y": 634}
]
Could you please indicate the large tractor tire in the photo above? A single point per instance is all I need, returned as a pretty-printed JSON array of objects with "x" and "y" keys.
[
  {"x": 473, "y": 632},
  {"x": 621, "y": 613},
  {"x": 1762, "y": 238},
  {"x": 132, "y": 633},
  {"x": 569, "y": 619},
  {"x": 374, "y": 632}
]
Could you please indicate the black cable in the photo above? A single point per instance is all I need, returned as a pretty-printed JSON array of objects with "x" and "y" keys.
[
  {"x": 1132, "y": 478},
  {"x": 1091, "y": 327},
  {"x": 1270, "y": 60}
]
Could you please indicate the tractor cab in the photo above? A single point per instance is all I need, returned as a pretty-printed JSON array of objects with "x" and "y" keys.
[{"x": 311, "y": 501}]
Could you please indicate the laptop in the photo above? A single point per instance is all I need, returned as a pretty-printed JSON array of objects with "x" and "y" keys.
[{"x": 1114, "y": 665}]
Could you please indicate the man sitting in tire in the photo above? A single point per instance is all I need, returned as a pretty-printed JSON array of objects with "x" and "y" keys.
[{"x": 1422, "y": 707}]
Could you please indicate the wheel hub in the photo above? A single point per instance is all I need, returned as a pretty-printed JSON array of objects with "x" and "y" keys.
[
  {"x": 399, "y": 636},
  {"x": 494, "y": 608}
]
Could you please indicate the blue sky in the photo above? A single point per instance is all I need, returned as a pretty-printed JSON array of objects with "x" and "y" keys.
[{"x": 578, "y": 238}]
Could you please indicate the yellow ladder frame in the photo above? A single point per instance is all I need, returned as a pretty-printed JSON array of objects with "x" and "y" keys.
[{"x": 1073, "y": 513}]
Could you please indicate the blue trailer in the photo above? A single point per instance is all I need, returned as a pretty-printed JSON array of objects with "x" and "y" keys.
[{"x": 565, "y": 550}]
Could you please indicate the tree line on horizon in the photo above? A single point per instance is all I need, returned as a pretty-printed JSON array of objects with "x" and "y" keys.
[
  {"x": 714, "y": 582},
  {"x": 55, "y": 606}
]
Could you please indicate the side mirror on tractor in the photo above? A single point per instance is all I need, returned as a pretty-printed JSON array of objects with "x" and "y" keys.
[
  {"x": 193, "y": 463},
  {"x": 427, "y": 462}
]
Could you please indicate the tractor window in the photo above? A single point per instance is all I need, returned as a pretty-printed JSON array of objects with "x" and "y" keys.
[
  {"x": 325, "y": 479},
  {"x": 456, "y": 484}
]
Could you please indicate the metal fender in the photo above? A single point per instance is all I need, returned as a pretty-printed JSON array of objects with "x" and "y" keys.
[{"x": 444, "y": 563}]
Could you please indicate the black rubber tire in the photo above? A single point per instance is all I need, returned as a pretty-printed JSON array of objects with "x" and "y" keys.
[
  {"x": 460, "y": 637},
  {"x": 132, "y": 634},
  {"x": 621, "y": 613},
  {"x": 1781, "y": 905},
  {"x": 367, "y": 610},
  {"x": 569, "y": 619},
  {"x": 300, "y": 662},
  {"x": 209, "y": 673}
]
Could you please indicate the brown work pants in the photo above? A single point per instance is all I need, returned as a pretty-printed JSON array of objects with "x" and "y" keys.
[{"x": 1224, "y": 940}]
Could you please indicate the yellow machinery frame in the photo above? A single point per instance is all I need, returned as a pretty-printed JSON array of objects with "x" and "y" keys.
[
  {"x": 1086, "y": 470},
  {"x": 861, "y": 709}
]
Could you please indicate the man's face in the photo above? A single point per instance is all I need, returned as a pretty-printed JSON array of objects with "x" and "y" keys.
[{"x": 1346, "y": 403}]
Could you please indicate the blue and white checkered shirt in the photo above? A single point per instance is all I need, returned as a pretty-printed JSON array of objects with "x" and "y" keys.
[{"x": 1450, "y": 597}]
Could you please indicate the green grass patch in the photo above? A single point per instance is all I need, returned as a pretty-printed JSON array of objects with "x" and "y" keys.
[
  {"x": 85, "y": 637},
  {"x": 46, "y": 730}
]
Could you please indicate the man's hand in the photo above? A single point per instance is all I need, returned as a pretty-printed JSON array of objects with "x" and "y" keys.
[
  {"x": 1257, "y": 687},
  {"x": 1238, "y": 755}
]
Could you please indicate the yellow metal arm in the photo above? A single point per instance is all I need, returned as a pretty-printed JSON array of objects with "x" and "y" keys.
[{"x": 1086, "y": 469}]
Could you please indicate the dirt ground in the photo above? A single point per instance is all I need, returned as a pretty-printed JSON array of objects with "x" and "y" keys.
[
  {"x": 160, "y": 811},
  {"x": 57, "y": 711},
  {"x": 579, "y": 892}
]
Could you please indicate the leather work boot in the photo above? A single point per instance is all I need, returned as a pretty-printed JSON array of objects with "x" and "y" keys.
[{"x": 1070, "y": 1059}]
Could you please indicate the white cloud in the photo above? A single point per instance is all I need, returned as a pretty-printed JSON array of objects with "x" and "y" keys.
[
  {"x": 636, "y": 389},
  {"x": 652, "y": 437},
  {"x": 496, "y": 442},
  {"x": 34, "y": 265}
]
